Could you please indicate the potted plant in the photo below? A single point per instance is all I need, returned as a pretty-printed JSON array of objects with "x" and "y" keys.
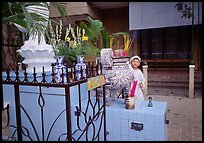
[{"x": 75, "y": 43}]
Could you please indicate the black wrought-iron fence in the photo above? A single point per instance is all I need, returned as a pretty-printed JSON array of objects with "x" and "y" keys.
[{"x": 93, "y": 127}]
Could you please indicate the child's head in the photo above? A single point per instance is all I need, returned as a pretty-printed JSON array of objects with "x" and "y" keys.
[{"x": 135, "y": 62}]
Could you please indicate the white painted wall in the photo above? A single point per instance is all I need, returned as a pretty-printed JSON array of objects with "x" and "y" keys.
[{"x": 146, "y": 15}]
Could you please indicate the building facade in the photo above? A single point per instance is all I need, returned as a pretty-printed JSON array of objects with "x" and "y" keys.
[{"x": 162, "y": 38}]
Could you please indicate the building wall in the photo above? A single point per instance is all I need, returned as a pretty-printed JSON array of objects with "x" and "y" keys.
[
  {"x": 144, "y": 15},
  {"x": 116, "y": 20},
  {"x": 137, "y": 16},
  {"x": 76, "y": 9},
  {"x": 73, "y": 8},
  {"x": 94, "y": 12},
  {"x": 154, "y": 15}
]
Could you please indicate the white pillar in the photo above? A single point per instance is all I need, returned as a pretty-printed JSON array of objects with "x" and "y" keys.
[
  {"x": 146, "y": 79},
  {"x": 191, "y": 81}
]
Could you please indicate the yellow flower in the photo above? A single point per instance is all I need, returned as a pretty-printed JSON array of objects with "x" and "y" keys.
[
  {"x": 85, "y": 38},
  {"x": 74, "y": 45},
  {"x": 68, "y": 39},
  {"x": 111, "y": 42},
  {"x": 127, "y": 42}
]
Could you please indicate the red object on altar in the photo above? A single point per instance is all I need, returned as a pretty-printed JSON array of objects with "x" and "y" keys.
[{"x": 132, "y": 93}]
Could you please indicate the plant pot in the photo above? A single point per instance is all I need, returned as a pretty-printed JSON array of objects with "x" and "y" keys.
[
  {"x": 90, "y": 58},
  {"x": 130, "y": 103}
]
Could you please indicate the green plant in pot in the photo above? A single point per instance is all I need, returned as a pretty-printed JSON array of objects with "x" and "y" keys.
[{"x": 74, "y": 43}]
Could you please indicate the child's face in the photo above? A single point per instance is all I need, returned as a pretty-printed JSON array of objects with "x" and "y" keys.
[{"x": 135, "y": 63}]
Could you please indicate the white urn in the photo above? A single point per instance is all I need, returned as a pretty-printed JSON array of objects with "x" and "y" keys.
[{"x": 37, "y": 55}]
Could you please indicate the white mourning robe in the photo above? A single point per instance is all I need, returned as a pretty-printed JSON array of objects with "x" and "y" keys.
[{"x": 139, "y": 76}]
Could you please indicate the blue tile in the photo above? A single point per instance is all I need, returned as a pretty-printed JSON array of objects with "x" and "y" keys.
[
  {"x": 159, "y": 136},
  {"x": 139, "y": 139},
  {"x": 132, "y": 115},
  {"x": 140, "y": 134},
  {"x": 132, "y": 132},
  {"x": 140, "y": 117},
  {"x": 124, "y": 123},
  {"x": 150, "y": 110},
  {"x": 120, "y": 119},
  {"x": 149, "y": 117},
  {"x": 132, "y": 138},
  {"x": 116, "y": 115},
  {"x": 109, "y": 127},
  {"x": 116, "y": 130},
  {"x": 159, "y": 119},
  {"x": 124, "y": 138},
  {"x": 149, "y": 135},
  {"x": 116, "y": 137},
  {"x": 149, "y": 126},
  {"x": 124, "y": 131},
  {"x": 116, "y": 122},
  {"x": 159, "y": 128},
  {"x": 123, "y": 114}
]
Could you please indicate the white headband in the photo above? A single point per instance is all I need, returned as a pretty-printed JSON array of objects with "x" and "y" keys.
[{"x": 135, "y": 57}]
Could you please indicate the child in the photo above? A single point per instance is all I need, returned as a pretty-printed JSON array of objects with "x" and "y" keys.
[{"x": 138, "y": 75}]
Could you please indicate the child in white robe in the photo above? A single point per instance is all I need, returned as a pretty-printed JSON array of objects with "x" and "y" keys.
[{"x": 139, "y": 76}]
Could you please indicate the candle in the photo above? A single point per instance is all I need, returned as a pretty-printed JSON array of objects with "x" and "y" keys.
[{"x": 133, "y": 88}]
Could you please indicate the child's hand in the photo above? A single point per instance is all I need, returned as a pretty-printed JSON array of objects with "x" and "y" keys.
[{"x": 140, "y": 85}]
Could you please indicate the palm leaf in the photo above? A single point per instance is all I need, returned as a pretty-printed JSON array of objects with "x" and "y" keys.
[
  {"x": 105, "y": 38},
  {"x": 18, "y": 12}
]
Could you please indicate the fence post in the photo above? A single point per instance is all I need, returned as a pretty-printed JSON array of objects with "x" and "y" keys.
[
  {"x": 191, "y": 81},
  {"x": 146, "y": 79}
]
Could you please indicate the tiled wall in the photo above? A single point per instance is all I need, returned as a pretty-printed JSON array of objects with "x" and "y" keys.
[{"x": 119, "y": 119}]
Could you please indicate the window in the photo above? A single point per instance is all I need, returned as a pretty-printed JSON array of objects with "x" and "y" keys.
[{"x": 166, "y": 43}]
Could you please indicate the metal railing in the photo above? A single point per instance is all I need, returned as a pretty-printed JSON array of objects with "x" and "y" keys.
[{"x": 97, "y": 106}]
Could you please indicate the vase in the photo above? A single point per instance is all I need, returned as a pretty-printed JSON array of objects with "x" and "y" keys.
[
  {"x": 130, "y": 103},
  {"x": 106, "y": 57},
  {"x": 118, "y": 53},
  {"x": 124, "y": 54},
  {"x": 80, "y": 66},
  {"x": 58, "y": 68}
]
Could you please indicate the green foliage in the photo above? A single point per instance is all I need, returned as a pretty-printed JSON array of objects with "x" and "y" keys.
[
  {"x": 17, "y": 13},
  {"x": 68, "y": 52},
  {"x": 73, "y": 43},
  {"x": 71, "y": 53},
  {"x": 105, "y": 38},
  {"x": 93, "y": 30}
]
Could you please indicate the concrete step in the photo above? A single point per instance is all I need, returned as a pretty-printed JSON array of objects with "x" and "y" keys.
[
  {"x": 173, "y": 78},
  {"x": 172, "y": 84},
  {"x": 172, "y": 91}
]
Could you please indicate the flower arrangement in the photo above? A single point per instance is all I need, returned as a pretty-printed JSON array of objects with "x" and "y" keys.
[
  {"x": 127, "y": 43},
  {"x": 74, "y": 43}
]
